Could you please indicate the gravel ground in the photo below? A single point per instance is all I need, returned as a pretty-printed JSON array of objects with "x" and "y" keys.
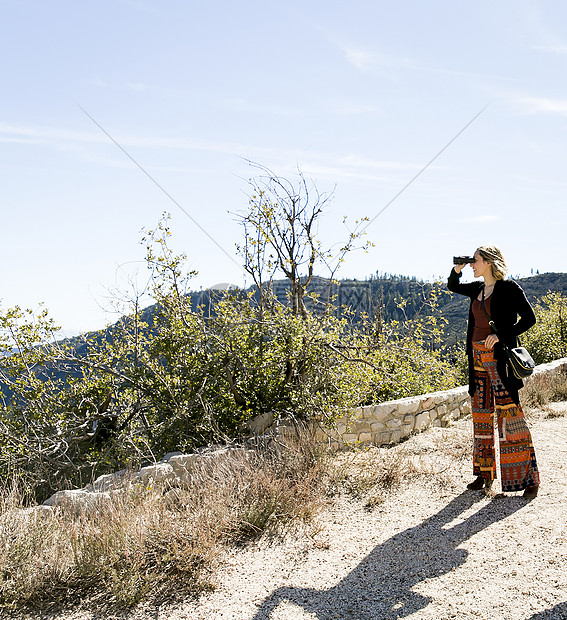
[{"x": 430, "y": 550}]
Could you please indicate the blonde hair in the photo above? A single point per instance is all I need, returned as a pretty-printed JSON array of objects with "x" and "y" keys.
[{"x": 491, "y": 254}]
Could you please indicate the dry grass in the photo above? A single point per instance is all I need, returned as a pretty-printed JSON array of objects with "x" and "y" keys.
[
  {"x": 371, "y": 474},
  {"x": 146, "y": 544},
  {"x": 541, "y": 390}
]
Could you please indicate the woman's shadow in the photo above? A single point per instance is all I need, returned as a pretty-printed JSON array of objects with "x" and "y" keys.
[{"x": 381, "y": 585}]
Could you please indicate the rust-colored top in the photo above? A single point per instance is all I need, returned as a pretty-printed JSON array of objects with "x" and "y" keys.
[{"x": 481, "y": 326}]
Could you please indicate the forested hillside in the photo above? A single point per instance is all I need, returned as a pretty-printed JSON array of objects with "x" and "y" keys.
[{"x": 393, "y": 297}]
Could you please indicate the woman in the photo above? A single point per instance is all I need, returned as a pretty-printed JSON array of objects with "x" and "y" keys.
[{"x": 492, "y": 386}]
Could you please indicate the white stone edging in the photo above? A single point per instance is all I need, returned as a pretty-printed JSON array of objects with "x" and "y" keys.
[{"x": 390, "y": 422}]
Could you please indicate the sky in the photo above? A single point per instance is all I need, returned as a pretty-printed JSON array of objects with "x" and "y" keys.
[{"x": 359, "y": 96}]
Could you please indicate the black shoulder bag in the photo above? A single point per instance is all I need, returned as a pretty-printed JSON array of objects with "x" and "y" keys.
[{"x": 518, "y": 358}]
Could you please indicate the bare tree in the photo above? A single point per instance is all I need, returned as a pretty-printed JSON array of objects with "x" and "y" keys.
[{"x": 281, "y": 234}]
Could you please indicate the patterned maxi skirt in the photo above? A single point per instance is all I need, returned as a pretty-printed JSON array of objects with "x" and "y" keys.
[{"x": 517, "y": 456}]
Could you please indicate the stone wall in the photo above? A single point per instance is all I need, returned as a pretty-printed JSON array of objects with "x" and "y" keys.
[
  {"x": 392, "y": 421},
  {"x": 380, "y": 424}
]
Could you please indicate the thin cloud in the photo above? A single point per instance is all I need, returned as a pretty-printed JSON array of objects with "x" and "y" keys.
[
  {"x": 353, "y": 167},
  {"x": 479, "y": 219},
  {"x": 543, "y": 30},
  {"x": 44, "y": 134},
  {"x": 361, "y": 60},
  {"x": 543, "y": 104},
  {"x": 342, "y": 109},
  {"x": 58, "y": 137},
  {"x": 16, "y": 140},
  {"x": 367, "y": 61},
  {"x": 336, "y": 167},
  {"x": 96, "y": 81},
  {"x": 243, "y": 105},
  {"x": 374, "y": 62},
  {"x": 138, "y": 87},
  {"x": 361, "y": 162},
  {"x": 336, "y": 172},
  {"x": 559, "y": 49},
  {"x": 355, "y": 109}
]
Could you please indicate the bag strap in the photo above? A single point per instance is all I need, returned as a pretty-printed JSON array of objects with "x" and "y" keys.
[{"x": 490, "y": 321}]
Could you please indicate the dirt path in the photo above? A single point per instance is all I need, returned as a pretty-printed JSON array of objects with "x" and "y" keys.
[{"x": 431, "y": 550}]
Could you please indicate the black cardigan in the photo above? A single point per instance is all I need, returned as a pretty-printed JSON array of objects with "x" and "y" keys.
[{"x": 507, "y": 303}]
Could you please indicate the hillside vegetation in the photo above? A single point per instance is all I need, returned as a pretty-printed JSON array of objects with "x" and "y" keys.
[
  {"x": 191, "y": 371},
  {"x": 179, "y": 376}
]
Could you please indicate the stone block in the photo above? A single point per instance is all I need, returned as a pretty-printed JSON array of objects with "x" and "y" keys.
[
  {"x": 361, "y": 426},
  {"x": 79, "y": 501},
  {"x": 386, "y": 408},
  {"x": 170, "y": 455},
  {"x": 454, "y": 414},
  {"x": 365, "y": 437},
  {"x": 320, "y": 435},
  {"x": 108, "y": 482},
  {"x": 40, "y": 511},
  {"x": 378, "y": 427},
  {"x": 183, "y": 462},
  {"x": 261, "y": 423},
  {"x": 394, "y": 424},
  {"x": 421, "y": 421},
  {"x": 333, "y": 434},
  {"x": 408, "y": 424},
  {"x": 365, "y": 413},
  {"x": 395, "y": 436},
  {"x": 408, "y": 405},
  {"x": 161, "y": 473},
  {"x": 382, "y": 412}
]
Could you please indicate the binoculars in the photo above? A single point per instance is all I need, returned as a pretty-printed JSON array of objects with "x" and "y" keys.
[{"x": 460, "y": 260}]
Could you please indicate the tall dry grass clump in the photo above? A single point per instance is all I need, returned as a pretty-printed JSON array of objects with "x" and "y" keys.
[
  {"x": 543, "y": 389},
  {"x": 149, "y": 543}
]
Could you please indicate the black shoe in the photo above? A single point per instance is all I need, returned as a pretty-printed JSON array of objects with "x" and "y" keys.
[
  {"x": 531, "y": 492},
  {"x": 477, "y": 484}
]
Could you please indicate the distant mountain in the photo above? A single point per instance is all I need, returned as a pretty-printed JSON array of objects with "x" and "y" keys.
[
  {"x": 395, "y": 297},
  {"x": 390, "y": 297},
  {"x": 385, "y": 298},
  {"x": 375, "y": 295}
]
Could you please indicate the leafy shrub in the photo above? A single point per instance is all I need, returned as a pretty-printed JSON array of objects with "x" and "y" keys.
[
  {"x": 175, "y": 379},
  {"x": 547, "y": 339}
]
